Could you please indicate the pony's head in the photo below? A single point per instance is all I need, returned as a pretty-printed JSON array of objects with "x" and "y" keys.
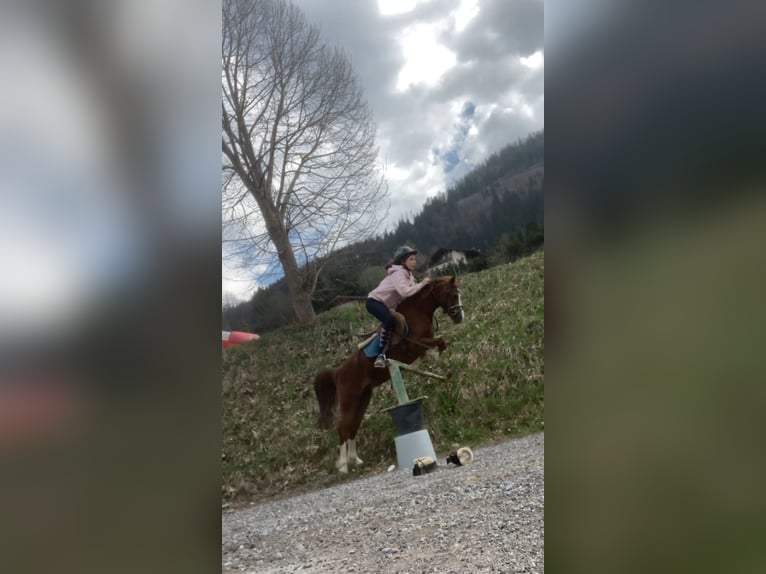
[{"x": 447, "y": 294}]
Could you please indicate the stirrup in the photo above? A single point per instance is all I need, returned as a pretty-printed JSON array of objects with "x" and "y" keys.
[{"x": 381, "y": 362}]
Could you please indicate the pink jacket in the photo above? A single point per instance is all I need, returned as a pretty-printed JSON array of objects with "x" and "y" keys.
[{"x": 397, "y": 286}]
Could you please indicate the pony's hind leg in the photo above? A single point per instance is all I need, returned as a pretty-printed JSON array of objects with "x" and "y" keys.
[
  {"x": 344, "y": 416},
  {"x": 342, "y": 463},
  {"x": 347, "y": 455},
  {"x": 351, "y": 412},
  {"x": 353, "y": 458},
  {"x": 356, "y": 422},
  {"x": 346, "y": 445}
]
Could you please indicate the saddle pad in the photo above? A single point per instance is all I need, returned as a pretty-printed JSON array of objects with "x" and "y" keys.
[{"x": 371, "y": 346}]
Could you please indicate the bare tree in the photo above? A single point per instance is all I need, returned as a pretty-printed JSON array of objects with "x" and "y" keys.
[{"x": 300, "y": 164}]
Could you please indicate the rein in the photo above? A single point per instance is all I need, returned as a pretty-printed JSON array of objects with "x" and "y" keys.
[{"x": 416, "y": 342}]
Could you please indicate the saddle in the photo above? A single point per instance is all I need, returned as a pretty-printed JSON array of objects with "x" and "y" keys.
[{"x": 400, "y": 331}]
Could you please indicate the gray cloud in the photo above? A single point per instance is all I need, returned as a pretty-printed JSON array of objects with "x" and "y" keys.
[
  {"x": 357, "y": 28},
  {"x": 502, "y": 28},
  {"x": 422, "y": 129}
]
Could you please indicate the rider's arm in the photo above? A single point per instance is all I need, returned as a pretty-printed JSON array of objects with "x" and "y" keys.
[{"x": 406, "y": 286}]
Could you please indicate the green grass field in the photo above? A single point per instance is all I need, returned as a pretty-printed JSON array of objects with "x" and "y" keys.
[{"x": 494, "y": 389}]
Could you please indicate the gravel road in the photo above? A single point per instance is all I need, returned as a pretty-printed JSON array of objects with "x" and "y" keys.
[{"x": 483, "y": 517}]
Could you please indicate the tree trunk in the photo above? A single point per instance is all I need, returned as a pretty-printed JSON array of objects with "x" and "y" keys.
[
  {"x": 304, "y": 311},
  {"x": 301, "y": 299}
]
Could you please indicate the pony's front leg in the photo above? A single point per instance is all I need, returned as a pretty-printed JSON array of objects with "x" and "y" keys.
[{"x": 437, "y": 342}]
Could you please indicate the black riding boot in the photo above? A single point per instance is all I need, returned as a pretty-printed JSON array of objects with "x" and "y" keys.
[{"x": 385, "y": 338}]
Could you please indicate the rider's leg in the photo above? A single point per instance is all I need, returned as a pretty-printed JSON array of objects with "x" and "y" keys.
[{"x": 380, "y": 311}]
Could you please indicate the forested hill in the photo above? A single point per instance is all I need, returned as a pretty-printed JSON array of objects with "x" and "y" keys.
[
  {"x": 502, "y": 195},
  {"x": 498, "y": 206}
]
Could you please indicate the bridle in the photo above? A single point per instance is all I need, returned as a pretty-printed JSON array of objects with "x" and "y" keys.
[{"x": 452, "y": 310}]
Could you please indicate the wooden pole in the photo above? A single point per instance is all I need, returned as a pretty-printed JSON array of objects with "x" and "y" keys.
[{"x": 416, "y": 371}]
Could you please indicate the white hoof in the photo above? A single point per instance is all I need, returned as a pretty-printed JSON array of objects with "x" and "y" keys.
[{"x": 343, "y": 468}]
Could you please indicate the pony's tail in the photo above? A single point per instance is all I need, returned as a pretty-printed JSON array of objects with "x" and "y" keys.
[{"x": 324, "y": 386}]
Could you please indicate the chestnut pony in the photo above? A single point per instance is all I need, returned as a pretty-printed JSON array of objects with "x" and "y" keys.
[{"x": 349, "y": 386}]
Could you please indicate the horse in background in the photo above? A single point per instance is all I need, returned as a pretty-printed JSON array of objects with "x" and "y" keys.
[{"x": 347, "y": 388}]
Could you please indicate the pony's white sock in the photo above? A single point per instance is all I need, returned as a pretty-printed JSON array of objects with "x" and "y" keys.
[
  {"x": 342, "y": 464},
  {"x": 352, "y": 456}
]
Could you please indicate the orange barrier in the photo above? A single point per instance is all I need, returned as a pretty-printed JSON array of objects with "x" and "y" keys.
[{"x": 229, "y": 338}]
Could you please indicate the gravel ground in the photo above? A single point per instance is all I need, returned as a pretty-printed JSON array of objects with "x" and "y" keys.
[{"x": 483, "y": 517}]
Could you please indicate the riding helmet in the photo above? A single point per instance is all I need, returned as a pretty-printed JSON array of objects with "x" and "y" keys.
[{"x": 402, "y": 253}]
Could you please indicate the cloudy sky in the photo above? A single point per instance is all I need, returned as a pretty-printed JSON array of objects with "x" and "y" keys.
[{"x": 449, "y": 82}]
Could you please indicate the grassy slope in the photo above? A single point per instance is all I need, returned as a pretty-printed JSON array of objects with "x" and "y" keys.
[{"x": 494, "y": 390}]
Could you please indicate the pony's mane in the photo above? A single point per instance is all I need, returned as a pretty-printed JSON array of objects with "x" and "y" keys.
[
  {"x": 436, "y": 282},
  {"x": 441, "y": 279}
]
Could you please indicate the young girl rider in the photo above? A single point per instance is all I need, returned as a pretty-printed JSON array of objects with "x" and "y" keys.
[{"x": 395, "y": 287}]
